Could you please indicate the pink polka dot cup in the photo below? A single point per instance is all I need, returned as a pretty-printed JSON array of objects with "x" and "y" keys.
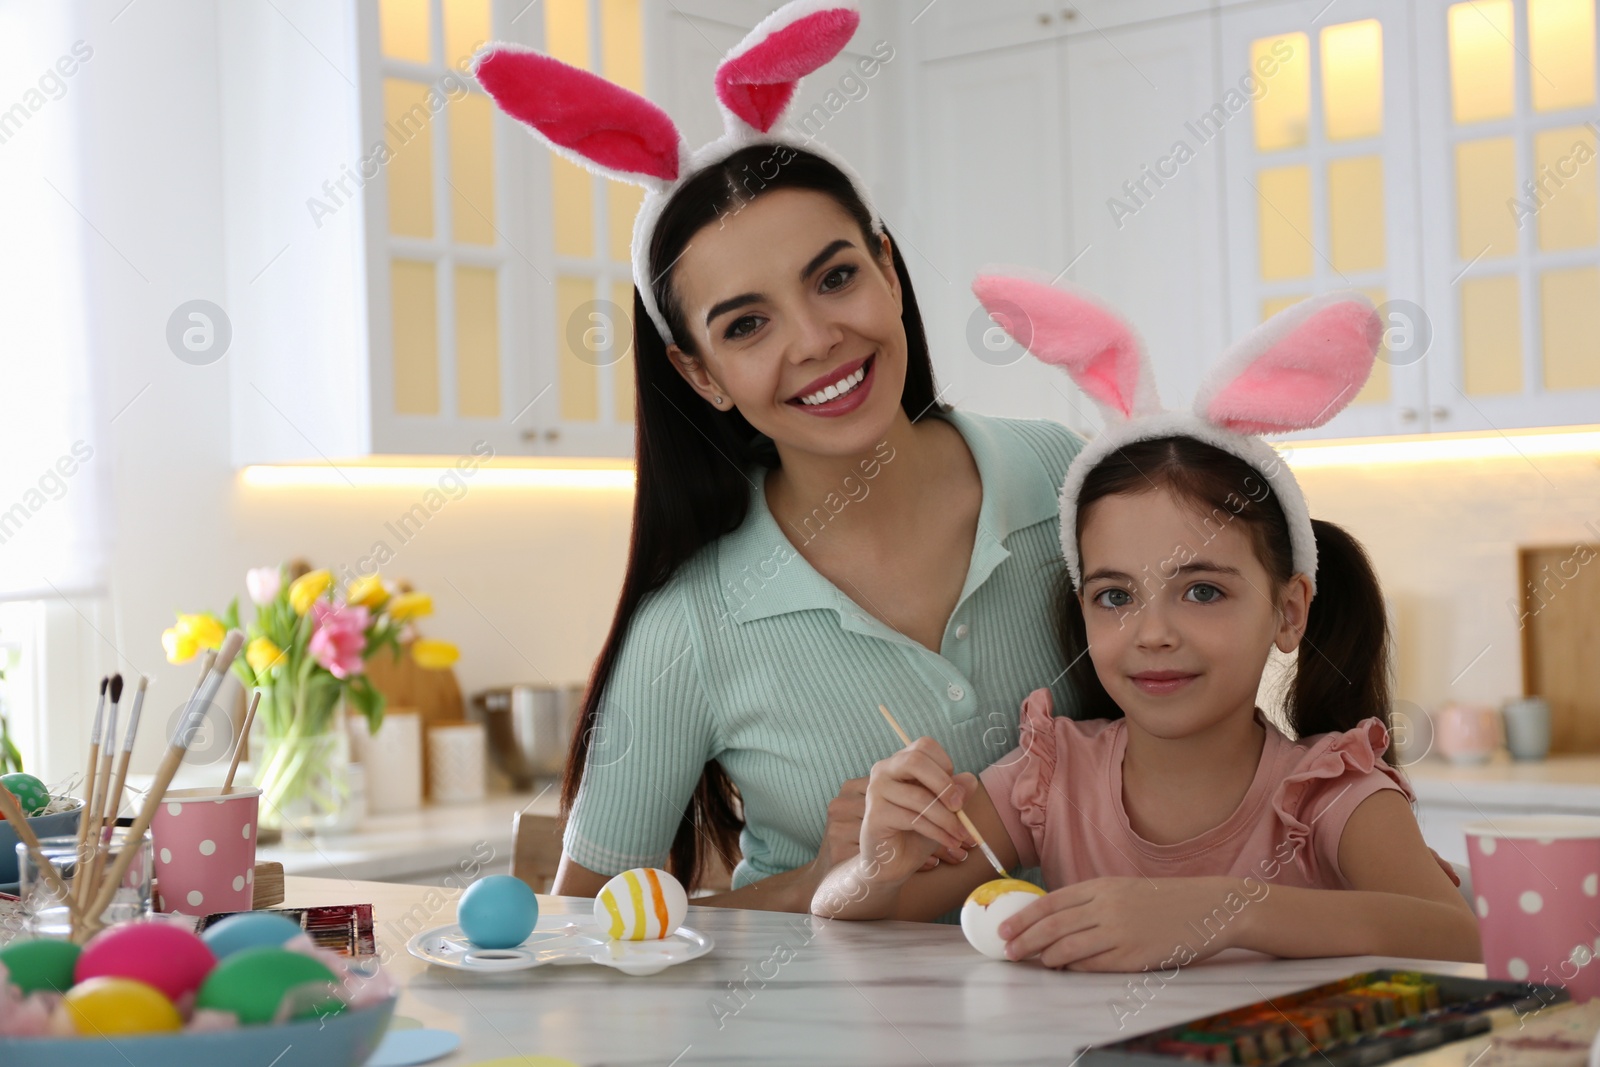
[
  {"x": 205, "y": 850},
  {"x": 1536, "y": 884}
]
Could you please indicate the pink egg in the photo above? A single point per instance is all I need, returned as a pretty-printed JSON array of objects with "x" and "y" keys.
[{"x": 159, "y": 954}]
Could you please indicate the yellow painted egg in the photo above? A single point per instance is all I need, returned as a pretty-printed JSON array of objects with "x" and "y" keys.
[
  {"x": 644, "y": 904},
  {"x": 112, "y": 1007},
  {"x": 991, "y": 904}
]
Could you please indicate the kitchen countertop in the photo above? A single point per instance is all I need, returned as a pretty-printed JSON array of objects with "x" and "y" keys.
[
  {"x": 417, "y": 845},
  {"x": 780, "y": 988},
  {"x": 1564, "y": 783}
]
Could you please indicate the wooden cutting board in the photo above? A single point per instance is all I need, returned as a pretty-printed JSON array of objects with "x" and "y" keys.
[
  {"x": 435, "y": 694},
  {"x": 1560, "y": 625}
]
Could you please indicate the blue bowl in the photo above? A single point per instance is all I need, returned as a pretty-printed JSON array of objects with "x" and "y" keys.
[
  {"x": 347, "y": 1039},
  {"x": 61, "y": 824}
]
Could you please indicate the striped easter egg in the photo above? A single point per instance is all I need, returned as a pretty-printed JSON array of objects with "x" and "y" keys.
[{"x": 644, "y": 904}]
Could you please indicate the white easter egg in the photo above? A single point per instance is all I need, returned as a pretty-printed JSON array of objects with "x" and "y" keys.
[
  {"x": 991, "y": 904},
  {"x": 644, "y": 904}
]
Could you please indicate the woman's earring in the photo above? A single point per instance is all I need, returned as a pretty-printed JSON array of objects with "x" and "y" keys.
[{"x": 717, "y": 401}]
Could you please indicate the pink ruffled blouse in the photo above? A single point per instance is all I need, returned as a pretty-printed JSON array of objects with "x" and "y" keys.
[{"x": 1060, "y": 796}]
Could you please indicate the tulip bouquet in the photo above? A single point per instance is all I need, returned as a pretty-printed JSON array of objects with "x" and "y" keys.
[{"x": 306, "y": 654}]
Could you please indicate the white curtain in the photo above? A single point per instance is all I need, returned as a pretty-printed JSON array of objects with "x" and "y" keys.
[{"x": 53, "y": 466}]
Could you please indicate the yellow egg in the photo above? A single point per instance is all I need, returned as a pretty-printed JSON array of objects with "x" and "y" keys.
[
  {"x": 109, "y": 1007},
  {"x": 991, "y": 904},
  {"x": 643, "y": 904}
]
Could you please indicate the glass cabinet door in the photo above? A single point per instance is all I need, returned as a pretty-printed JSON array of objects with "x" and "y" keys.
[
  {"x": 1317, "y": 122},
  {"x": 1509, "y": 146}
]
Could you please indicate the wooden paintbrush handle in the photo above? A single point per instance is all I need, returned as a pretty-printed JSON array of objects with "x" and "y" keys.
[
  {"x": 19, "y": 822},
  {"x": 181, "y": 738}
]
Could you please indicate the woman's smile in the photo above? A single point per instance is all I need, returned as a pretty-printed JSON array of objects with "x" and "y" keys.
[{"x": 837, "y": 392}]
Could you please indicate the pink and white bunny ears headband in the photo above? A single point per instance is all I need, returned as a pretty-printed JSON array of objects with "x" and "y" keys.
[
  {"x": 1295, "y": 371},
  {"x": 619, "y": 134}
]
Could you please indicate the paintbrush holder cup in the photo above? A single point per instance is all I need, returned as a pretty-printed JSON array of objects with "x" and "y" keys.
[{"x": 45, "y": 913}]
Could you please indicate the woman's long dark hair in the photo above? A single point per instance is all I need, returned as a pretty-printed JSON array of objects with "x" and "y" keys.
[
  {"x": 1342, "y": 675},
  {"x": 692, "y": 458}
]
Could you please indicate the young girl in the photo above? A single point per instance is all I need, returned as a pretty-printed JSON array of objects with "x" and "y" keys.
[{"x": 1176, "y": 820}]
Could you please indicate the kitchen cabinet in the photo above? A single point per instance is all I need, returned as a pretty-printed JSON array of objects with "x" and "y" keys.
[
  {"x": 1030, "y": 153},
  {"x": 1204, "y": 166},
  {"x": 1322, "y": 183},
  {"x": 385, "y": 279},
  {"x": 944, "y": 29},
  {"x": 417, "y": 285},
  {"x": 1512, "y": 249}
]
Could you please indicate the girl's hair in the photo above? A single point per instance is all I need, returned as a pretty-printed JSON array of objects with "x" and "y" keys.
[
  {"x": 1342, "y": 673},
  {"x": 692, "y": 459}
]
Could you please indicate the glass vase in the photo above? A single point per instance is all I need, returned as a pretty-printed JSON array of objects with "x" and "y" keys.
[{"x": 303, "y": 772}]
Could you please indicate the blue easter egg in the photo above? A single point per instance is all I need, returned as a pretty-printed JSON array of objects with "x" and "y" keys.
[
  {"x": 498, "y": 911},
  {"x": 249, "y": 929}
]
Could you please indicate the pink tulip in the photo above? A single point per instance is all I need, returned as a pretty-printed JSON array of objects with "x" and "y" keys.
[
  {"x": 262, "y": 583},
  {"x": 340, "y": 637}
]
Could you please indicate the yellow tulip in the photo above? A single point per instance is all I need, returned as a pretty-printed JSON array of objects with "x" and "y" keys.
[
  {"x": 434, "y": 655},
  {"x": 306, "y": 589},
  {"x": 206, "y": 630},
  {"x": 366, "y": 592},
  {"x": 408, "y": 606},
  {"x": 262, "y": 655},
  {"x": 180, "y": 645}
]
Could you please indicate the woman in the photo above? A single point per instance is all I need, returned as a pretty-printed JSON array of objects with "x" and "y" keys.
[{"x": 814, "y": 532}]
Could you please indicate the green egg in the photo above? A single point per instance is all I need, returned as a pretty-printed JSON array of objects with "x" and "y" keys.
[
  {"x": 252, "y": 983},
  {"x": 29, "y": 791},
  {"x": 42, "y": 964}
]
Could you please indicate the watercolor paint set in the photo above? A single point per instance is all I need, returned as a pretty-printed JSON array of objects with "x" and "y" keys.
[
  {"x": 342, "y": 928},
  {"x": 1359, "y": 1021}
]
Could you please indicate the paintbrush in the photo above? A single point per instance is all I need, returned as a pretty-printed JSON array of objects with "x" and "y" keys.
[
  {"x": 12, "y": 809},
  {"x": 244, "y": 738},
  {"x": 182, "y": 737},
  {"x": 988, "y": 853},
  {"x": 85, "y": 814}
]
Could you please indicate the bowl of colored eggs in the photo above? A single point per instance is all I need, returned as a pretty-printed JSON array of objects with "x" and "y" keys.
[
  {"x": 153, "y": 993},
  {"x": 48, "y": 816}
]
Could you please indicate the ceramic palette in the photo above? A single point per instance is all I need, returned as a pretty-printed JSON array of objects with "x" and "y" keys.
[{"x": 558, "y": 940}]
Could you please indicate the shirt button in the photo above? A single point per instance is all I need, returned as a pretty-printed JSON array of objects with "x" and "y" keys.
[
  {"x": 955, "y": 692},
  {"x": 961, "y": 631}
]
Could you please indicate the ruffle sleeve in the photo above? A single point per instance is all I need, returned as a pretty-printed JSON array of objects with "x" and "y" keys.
[
  {"x": 1349, "y": 766},
  {"x": 1036, "y": 748},
  {"x": 1019, "y": 782}
]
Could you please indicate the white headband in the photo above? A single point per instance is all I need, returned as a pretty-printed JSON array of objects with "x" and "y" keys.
[
  {"x": 1295, "y": 371},
  {"x": 617, "y": 133}
]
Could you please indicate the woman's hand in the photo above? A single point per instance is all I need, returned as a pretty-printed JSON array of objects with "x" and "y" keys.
[
  {"x": 911, "y": 801},
  {"x": 841, "y": 838},
  {"x": 1128, "y": 924}
]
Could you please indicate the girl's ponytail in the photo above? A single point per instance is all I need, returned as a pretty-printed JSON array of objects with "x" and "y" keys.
[{"x": 1343, "y": 672}]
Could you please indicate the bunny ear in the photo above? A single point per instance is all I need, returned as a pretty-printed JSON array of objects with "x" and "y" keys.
[
  {"x": 598, "y": 124},
  {"x": 1295, "y": 371},
  {"x": 1077, "y": 334},
  {"x": 756, "y": 80}
]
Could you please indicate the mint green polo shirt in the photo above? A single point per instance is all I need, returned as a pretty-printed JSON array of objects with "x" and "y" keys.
[{"x": 749, "y": 656}]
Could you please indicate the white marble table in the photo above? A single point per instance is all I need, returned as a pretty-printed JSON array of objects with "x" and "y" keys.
[{"x": 791, "y": 989}]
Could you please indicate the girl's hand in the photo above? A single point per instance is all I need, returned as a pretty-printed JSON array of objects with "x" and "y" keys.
[
  {"x": 912, "y": 798},
  {"x": 1128, "y": 924}
]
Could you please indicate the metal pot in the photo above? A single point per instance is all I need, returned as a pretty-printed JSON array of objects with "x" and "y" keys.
[{"x": 530, "y": 728}]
